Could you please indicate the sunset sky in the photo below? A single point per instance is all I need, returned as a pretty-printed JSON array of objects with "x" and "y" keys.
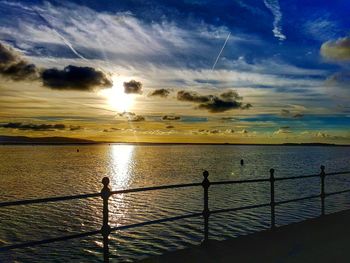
[{"x": 238, "y": 71}]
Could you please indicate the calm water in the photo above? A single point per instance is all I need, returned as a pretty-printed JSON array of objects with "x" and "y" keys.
[{"x": 42, "y": 171}]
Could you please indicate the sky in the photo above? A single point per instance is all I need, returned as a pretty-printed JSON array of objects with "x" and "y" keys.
[{"x": 201, "y": 71}]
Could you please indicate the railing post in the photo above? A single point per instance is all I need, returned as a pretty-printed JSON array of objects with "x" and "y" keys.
[
  {"x": 323, "y": 193},
  {"x": 106, "y": 229},
  {"x": 206, "y": 211},
  {"x": 272, "y": 200}
]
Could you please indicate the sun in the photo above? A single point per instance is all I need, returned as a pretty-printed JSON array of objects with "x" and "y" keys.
[{"x": 116, "y": 98}]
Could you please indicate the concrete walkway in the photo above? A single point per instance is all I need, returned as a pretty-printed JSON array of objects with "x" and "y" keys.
[{"x": 325, "y": 239}]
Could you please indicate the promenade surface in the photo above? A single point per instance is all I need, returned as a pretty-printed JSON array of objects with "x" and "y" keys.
[{"x": 323, "y": 239}]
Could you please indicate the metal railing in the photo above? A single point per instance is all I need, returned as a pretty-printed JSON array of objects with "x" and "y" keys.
[{"x": 106, "y": 193}]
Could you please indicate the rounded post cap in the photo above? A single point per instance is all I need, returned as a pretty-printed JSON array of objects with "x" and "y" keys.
[
  {"x": 205, "y": 174},
  {"x": 272, "y": 170},
  {"x": 105, "y": 181},
  {"x": 323, "y": 167}
]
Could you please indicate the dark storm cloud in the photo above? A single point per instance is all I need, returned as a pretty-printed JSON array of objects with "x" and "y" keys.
[
  {"x": 163, "y": 93},
  {"x": 33, "y": 127},
  {"x": 133, "y": 87},
  {"x": 75, "y": 78},
  {"x": 14, "y": 67},
  {"x": 225, "y": 101},
  {"x": 71, "y": 77},
  {"x": 193, "y": 96},
  {"x": 171, "y": 118},
  {"x": 229, "y": 95}
]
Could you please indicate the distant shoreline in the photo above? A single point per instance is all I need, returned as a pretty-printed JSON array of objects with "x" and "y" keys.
[{"x": 23, "y": 140}]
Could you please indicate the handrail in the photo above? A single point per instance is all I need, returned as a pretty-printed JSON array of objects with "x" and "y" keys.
[
  {"x": 106, "y": 193},
  {"x": 152, "y": 188},
  {"x": 161, "y": 187}
]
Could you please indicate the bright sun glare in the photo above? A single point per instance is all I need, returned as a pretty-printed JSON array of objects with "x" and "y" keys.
[{"x": 116, "y": 97}]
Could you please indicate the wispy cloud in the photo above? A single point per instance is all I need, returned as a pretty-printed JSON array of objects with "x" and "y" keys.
[{"x": 274, "y": 7}]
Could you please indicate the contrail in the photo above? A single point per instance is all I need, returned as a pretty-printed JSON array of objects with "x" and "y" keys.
[
  {"x": 217, "y": 59},
  {"x": 65, "y": 41}
]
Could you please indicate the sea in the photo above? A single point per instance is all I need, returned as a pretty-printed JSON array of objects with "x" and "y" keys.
[{"x": 38, "y": 171}]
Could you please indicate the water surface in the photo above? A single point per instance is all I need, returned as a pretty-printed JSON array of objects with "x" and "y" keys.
[{"x": 43, "y": 171}]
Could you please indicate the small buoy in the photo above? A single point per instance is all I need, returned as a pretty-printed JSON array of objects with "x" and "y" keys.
[{"x": 242, "y": 162}]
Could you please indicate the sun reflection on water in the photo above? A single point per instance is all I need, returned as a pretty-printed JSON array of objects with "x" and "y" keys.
[
  {"x": 121, "y": 165},
  {"x": 121, "y": 169}
]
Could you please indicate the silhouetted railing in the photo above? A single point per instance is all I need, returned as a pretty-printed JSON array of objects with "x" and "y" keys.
[{"x": 106, "y": 193}]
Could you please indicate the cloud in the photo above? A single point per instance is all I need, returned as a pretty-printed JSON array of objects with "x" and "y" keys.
[
  {"x": 131, "y": 116},
  {"x": 14, "y": 67},
  {"x": 33, "y": 127},
  {"x": 111, "y": 130},
  {"x": 126, "y": 114},
  {"x": 224, "y": 102},
  {"x": 229, "y": 95},
  {"x": 322, "y": 27},
  {"x": 283, "y": 130},
  {"x": 40, "y": 127},
  {"x": 163, "y": 93},
  {"x": 298, "y": 115},
  {"x": 339, "y": 79},
  {"x": 337, "y": 50},
  {"x": 170, "y": 118},
  {"x": 70, "y": 78},
  {"x": 289, "y": 114},
  {"x": 75, "y": 78},
  {"x": 322, "y": 135},
  {"x": 75, "y": 128},
  {"x": 244, "y": 131},
  {"x": 274, "y": 7},
  {"x": 132, "y": 87},
  {"x": 136, "y": 118}
]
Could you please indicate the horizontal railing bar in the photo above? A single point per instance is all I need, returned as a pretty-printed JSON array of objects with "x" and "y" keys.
[
  {"x": 338, "y": 192},
  {"x": 157, "y": 221},
  {"x": 238, "y": 208},
  {"x": 348, "y": 172},
  {"x": 50, "y": 240},
  {"x": 296, "y": 199},
  {"x": 152, "y": 188},
  {"x": 48, "y": 199},
  {"x": 240, "y": 181},
  {"x": 296, "y": 177}
]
